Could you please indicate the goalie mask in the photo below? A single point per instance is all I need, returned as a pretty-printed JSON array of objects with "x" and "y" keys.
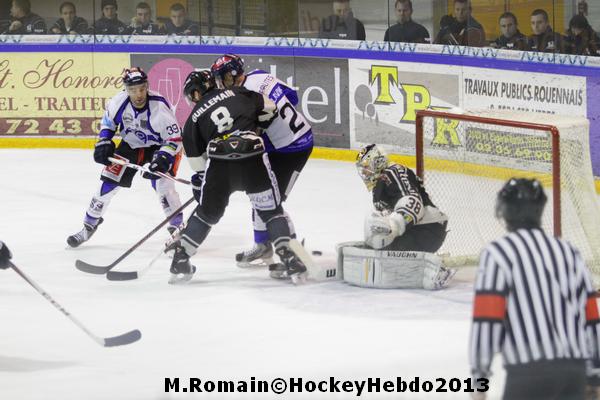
[
  {"x": 521, "y": 203},
  {"x": 370, "y": 163}
]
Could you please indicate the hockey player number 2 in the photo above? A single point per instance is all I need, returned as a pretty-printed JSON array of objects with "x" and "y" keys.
[{"x": 222, "y": 119}]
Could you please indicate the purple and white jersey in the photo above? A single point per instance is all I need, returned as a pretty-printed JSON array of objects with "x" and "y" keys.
[
  {"x": 155, "y": 124},
  {"x": 289, "y": 131}
]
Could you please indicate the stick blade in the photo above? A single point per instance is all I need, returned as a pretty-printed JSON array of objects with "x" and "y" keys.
[
  {"x": 124, "y": 339},
  {"x": 92, "y": 269},
  {"x": 122, "y": 276}
]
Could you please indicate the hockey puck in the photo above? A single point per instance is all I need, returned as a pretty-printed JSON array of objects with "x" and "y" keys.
[{"x": 317, "y": 253}]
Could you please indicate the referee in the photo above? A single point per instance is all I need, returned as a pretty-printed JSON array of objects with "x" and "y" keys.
[{"x": 534, "y": 302}]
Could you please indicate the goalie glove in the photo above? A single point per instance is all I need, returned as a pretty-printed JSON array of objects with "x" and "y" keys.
[{"x": 380, "y": 231}]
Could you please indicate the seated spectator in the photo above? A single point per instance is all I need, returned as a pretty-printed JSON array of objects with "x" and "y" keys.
[
  {"x": 406, "y": 30},
  {"x": 544, "y": 39},
  {"x": 582, "y": 8},
  {"x": 109, "y": 24},
  {"x": 511, "y": 37},
  {"x": 4, "y": 14},
  {"x": 342, "y": 24},
  {"x": 23, "y": 21},
  {"x": 461, "y": 29},
  {"x": 141, "y": 23},
  {"x": 178, "y": 24},
  {"x": 581, "y": 38},
  {"x": 69, "y": 22}
]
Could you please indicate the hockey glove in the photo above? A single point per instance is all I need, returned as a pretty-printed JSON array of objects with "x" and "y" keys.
[
  {"x": 104, "y": 148},
  {"x": 161, "y": 162},
  {"x": 197, "y": 180},
  {"x": 5, "y": 255}
]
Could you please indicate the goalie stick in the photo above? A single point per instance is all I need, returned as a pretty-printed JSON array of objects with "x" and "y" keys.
[
  {"x": 103, "y": 269},
  {"x": 121, "y": 340}
]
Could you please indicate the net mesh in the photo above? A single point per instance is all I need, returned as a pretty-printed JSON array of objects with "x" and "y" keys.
[{"x": 465, "y": 163}]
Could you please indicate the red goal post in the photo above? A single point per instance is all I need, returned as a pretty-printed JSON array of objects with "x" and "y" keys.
[{"x": 465, "y": 157}]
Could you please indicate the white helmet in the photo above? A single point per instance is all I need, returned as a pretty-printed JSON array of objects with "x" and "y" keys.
[{"x": 370, "y": 163}]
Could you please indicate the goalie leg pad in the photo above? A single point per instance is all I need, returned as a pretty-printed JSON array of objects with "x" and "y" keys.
[{"x": 393, "y": 269}]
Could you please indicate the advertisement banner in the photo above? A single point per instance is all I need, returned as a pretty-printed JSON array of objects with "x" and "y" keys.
[
  {"x": 518, "y": 91},
  {"x": 386, "y": 95},
  {"x": 57, "y": 93},
  {"x": 322, "y": 86}
]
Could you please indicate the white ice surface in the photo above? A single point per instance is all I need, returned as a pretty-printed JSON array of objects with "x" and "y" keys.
[{"x": 228, "y": 323}]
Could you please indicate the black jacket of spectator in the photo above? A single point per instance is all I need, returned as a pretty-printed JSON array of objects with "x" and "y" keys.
[
  {"x": 191, "y": 26},
  {"x": 548, "y": 42},
  {"x": 468, "y": 33},
  {"x": 585, "y": 44},
  {"x": 409, "y": 32},
  {"x": 334, "y": 27},
  {"x": 79, "y": 25},
  {"x": 31, "y": 24},
  {"x": 517, "y": 42},
  {"x": 105, "y": 26},
  {"x": 148, "y": 29}
]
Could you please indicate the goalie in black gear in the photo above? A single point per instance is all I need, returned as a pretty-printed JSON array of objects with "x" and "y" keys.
[
  {"x": 227, "y": 155},
  {"x": 404, "y": 219}
]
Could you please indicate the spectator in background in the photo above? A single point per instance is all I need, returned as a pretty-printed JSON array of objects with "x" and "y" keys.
[
  {"x": 461, "y": 29},
  {"x": 4, "y": 15},
  {"x": 23, "y": 21},
  {"x": 109, "y": 24},
  {"x": 69, "y": 22},
  {"x": 582, "y": 8},
  {"x": 342, "y": 24},
  {"x": 406, "y": 30},
  {"x": 141, "y": 23},
  {"x": 511, "y": 37},
  {"x": 178, "y": 24},
  {"x": 581, "y": 38},
  {"x": 544, "y": 38}
]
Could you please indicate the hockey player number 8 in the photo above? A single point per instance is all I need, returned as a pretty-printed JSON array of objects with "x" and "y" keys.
[{"x": 222, "y": 119}]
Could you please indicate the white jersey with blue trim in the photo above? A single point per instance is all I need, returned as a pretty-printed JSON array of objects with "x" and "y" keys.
[
  {"x": 153, "y": 125},
  {"x": 290, "y": 126}
]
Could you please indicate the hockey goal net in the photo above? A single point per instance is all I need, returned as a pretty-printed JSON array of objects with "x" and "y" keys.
[{"x": 465, "y": 158}]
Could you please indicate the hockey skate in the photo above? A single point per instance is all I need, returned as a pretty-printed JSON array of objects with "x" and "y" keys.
[
  {"x": 83, "y": 235},
  {"x": 443, "y": 277},
  {"x": 260, "y": 255},
  {"x": 181, "y": 268},
  {"x": 291, "y": 267}
]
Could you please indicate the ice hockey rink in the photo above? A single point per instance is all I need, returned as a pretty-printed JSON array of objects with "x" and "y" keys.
[{"x": 227, "y": 323}]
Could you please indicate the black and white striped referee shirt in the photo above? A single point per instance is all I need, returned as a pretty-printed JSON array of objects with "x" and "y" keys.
[{"x": 534, "y": 301}]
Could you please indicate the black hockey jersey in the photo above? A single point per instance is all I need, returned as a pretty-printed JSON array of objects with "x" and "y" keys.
[
  {"x": 222, "y": 112},
  {"x": 397, "y": 182}
]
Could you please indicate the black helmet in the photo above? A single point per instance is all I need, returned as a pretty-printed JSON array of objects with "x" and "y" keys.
[
  {"x": 201, "y": 81},
  {"x": 521, "y": 203},
  {"x": 134, "y": 76}
]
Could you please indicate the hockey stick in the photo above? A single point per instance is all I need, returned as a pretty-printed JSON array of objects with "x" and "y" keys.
[
  {"x": 126, "y": 338},
  {"x": 141, "y": 168},
  {"x": 131, "y": 275},
  {"x": 100, "y": 270}
]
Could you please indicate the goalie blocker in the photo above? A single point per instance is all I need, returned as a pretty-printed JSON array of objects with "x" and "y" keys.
[{"x": 390, "y": 269}]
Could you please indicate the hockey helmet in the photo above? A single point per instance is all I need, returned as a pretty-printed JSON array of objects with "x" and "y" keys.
[
  {"x": 134, "y": 76},
  {"x": 521, "y": 203},
  {"x": 370, "y": 163},
  {"x": 227, "y": 63},
  {"x": 200, "y": 81}
]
